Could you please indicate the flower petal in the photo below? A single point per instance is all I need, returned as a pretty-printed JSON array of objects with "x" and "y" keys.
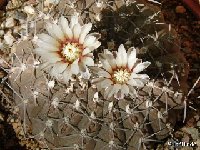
[
  {"x": 48, "y": 39},
  {"x": 104, "y": 74},
  {"x": 95, "y": 45},
  {"x": 63, "y": 22},
  {"x": 65, "y": 27},
  {"x": 135, "y": 82},
  {"x": 95, "y": 69},
  {"x": 75, "y": 67},
  {"x": 116, "y": 88},
  {"x": 82, "y": 67},
  {"x": 96, "y": 35},
  {"x": 89, "y": 41},
  {"x": 76, "y": 31},
  {"x": 132, "y": 91},
  {"x": 106, "y": 66},
  {"x": 84, "y": 31},
  {"x": 132, "y": 59},
  {"x": 46, "y": 46},
  {"x": 139, "y": 76},
  {"x": 108, "y": 90},
  {"x": 74, "y": 20},
  {"x": 86, "y": 51},
  {"x": 58, "y": 32},
  {"x": 122, "y": 53},
  {"x": 58, "y": 68},
  {"x": 106, "y": 83},
  {"x": 141, "y": 66},
  {"x": 67, "y": 74},
  {"x": 119, "y": 58},
  {"x": 97, "y": 80},
  {"x": 88, "y": 61},
  {"x": 55, "y": 31},
  {"x": 125, "y": 89},
  {"x": 50, "y": 57},
  {"x": 49, "y": 29},
  {"x": 111, "y": 60}
]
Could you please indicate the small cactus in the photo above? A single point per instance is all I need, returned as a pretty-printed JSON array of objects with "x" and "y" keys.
[{"x": 75, "y": 113}]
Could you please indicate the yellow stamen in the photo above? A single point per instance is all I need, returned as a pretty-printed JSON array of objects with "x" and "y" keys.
[
  {"x": 121, "y": 76},
  {"x": 71, "y": 51}
]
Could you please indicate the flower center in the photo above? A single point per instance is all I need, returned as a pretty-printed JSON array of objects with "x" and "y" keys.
[
  {"x": 121, "y": 76},
  {"x": 71, "y": 51}
]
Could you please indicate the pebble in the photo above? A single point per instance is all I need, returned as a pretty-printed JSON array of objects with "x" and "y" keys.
[
  {"x": 1, "y": 44},
  {"x": 19, "y": 15},
  {"x": 29, "y": 10},
  {"x": 180, "y": 9},
  {"x": 9, "y": 39},
  {"x": 1, "y": 117},
  {"x": 16, "y": 29},
  {"x": 9, "y": 22},
  {"x": 2, "y": 25},
  {"x": 14, "y": 4},
  {"x": 1, "y": 32}
]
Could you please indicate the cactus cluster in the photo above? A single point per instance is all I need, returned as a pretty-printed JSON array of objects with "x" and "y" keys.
[{"x": 86, "y": 111}]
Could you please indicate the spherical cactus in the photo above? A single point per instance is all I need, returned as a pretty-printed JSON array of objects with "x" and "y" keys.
[{"x": 67, "y": 99}]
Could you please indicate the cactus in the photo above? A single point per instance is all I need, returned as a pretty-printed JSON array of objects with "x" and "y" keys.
[{"x": 76, "y": 114}]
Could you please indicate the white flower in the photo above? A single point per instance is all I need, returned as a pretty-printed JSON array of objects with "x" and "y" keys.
[
  {"x": 67, "y": 49},
  {"x": 119, "y": 74}
]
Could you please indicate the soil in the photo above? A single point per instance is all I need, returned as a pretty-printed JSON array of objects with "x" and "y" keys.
[{"x": 187, "y": 26}]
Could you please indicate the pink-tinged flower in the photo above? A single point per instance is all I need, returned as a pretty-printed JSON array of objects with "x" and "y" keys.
[
  {"x": 119, "y": 75},
  {"x": 67, "y": 47}
]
